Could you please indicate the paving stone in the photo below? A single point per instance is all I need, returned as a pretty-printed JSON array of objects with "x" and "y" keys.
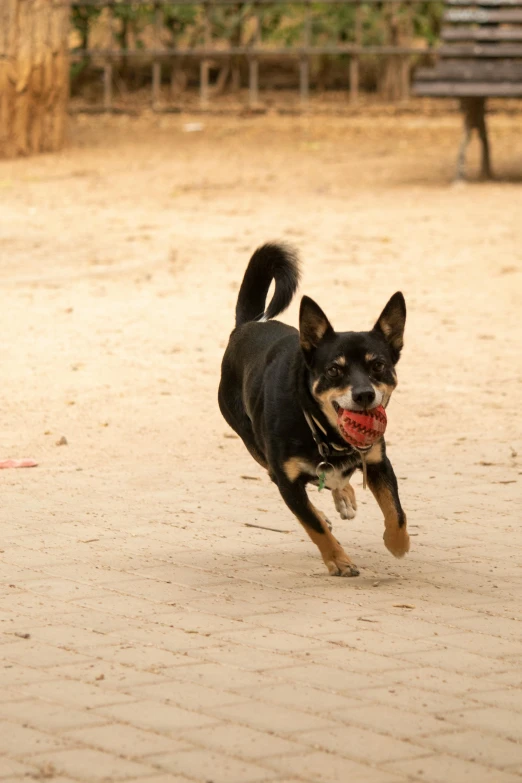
[
  {"x": 362, "y": 745},
  {"x": 154, "y": 715},
  {"x": 244, "y": 742},
  {"x": 477, "y": 746},
  {"x": 442, "y": 768},
  {"x": 93, "y": 765},
  {"x": 209, "y": 765}
]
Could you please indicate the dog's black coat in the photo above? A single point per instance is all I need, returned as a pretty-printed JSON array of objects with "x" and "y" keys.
[{"x": 273, "y": 373}]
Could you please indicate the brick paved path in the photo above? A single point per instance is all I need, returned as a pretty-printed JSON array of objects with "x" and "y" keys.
[{"x": 148, "y": 634}]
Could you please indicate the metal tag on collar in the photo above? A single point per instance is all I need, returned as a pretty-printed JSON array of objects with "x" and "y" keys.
[{"x": 321, "y": 470}]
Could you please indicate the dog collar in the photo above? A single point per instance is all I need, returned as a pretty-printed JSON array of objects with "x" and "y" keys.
[
  {"x": 325, "y": 449},
  {"x": 330, "y": 450}
]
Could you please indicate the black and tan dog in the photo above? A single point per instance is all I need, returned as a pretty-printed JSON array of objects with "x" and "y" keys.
[{"x": 281, "y": 391}]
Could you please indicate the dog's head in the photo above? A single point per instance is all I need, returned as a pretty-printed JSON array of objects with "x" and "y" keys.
[{"x": 352, "y": 370}]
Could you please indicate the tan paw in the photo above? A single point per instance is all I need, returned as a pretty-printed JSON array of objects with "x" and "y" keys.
[
  {"x": 397, "y": 541},
  {"x": 345, "y": 502},
  {"x": 341, "y": 565}
]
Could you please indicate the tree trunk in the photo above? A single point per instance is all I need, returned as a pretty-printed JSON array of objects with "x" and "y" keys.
[{"x": 34, "y": 75}]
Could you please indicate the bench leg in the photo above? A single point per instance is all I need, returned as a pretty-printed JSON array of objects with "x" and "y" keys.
[
  {"x": 485, "y": 169},
  {"x": 474, "y": 111},
  {"x": 461, "y": 159}
]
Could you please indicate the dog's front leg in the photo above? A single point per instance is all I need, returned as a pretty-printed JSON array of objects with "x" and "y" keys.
[
  {"x": 345, "y": 501},
  {"x": 314, "y": 522},
  {"x": 383, "y": 484}
]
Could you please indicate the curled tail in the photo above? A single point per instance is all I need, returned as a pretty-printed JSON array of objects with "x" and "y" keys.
[{"x": 278, "y": 262}]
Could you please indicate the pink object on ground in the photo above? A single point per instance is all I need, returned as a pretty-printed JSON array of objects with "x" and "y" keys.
[{"x": 18, "y": 463}]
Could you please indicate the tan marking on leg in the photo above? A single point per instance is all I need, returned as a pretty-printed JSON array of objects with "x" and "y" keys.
[
  {"x": 396, "y": 538},
  {"x": 293, "y": 468},
  {"x": 374, "y": 456},
  {"x": 336, "y": 560}
]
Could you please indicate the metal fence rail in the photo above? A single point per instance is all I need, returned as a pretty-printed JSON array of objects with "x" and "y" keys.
[{"x": 254, "y": 52}]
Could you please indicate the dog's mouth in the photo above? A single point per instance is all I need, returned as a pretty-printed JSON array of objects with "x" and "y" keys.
[
  {"x": 362, "y": 428},
  {"x": 339, "y": 410}
]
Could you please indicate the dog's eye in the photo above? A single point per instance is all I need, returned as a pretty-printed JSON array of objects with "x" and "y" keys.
[
  {"x": 377, "y": 367},
  {"x": 333, "y": 371}
]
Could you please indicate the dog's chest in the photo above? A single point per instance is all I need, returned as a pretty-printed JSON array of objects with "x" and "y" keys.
[{"x": 336, "y": 476}]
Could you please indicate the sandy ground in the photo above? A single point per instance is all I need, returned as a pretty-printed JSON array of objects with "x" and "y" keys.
[{"x": 120, "y": 261}]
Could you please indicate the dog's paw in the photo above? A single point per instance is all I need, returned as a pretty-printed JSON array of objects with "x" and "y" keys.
[
  {"x": 342, "y": 566},
  {"x": 345, "y": 502},
  {"x": 397, "y": 541}
]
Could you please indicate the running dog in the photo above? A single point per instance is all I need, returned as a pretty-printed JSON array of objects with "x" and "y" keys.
[{"x": 282, "y": 391}]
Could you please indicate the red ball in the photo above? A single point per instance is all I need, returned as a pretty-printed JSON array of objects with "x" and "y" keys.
[{"x": 362, "y": 429}]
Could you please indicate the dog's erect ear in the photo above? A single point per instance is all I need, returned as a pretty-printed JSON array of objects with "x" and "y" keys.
[
  {"x": 313, "y": 324},
  {"x": 391, "y": 322}
]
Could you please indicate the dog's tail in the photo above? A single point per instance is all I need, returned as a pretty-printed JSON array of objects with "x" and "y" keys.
[{"x": 278, "y": 262}]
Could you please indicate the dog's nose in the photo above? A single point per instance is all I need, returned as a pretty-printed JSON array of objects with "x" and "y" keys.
[{"x": 364, "y": 397}]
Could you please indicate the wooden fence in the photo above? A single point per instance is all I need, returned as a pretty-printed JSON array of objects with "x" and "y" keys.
[{"x": 207, "y": 50}]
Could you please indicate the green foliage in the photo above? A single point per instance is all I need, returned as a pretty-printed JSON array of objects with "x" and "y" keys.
[
  {"x": 333, "y": 23},
  {"x": 283, "y": 24},
  {"x": 82, "y": 18},
  {"x": 130, "y": 20},
  {"x": 427, "y": 21},
  {"x": 179, "y": 20},
  {"x": 226, "y": 20}
]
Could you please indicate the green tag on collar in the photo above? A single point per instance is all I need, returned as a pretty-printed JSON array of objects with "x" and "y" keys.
[{"x": 322, "y": 480}]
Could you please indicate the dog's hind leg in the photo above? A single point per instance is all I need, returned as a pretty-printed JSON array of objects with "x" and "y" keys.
[
  {"x": 256, "y": 454},
  {"x": 316, "y": 525},
  {"x": 383, "y": 484},
  {"x": 485, "y": 170},
  {"x": 235, "y": 415},
  {"x": 247, "y": 434}
]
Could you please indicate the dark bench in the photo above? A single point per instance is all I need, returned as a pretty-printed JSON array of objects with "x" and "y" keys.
[{"x": 480, "y": 57}]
